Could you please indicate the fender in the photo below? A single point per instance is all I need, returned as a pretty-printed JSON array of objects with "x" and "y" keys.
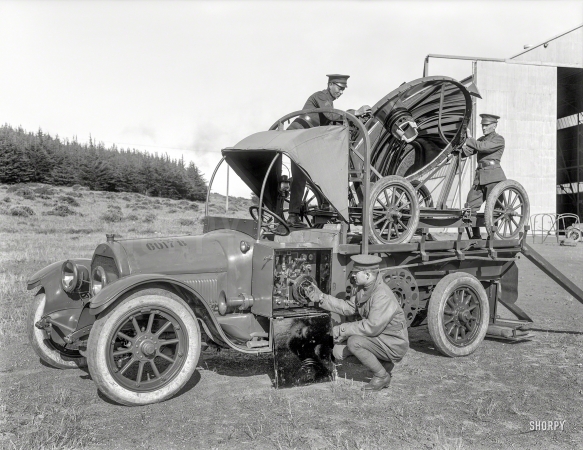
[
  {"x": 49, "y": 278},
  {"x": 110, "y": 294}
]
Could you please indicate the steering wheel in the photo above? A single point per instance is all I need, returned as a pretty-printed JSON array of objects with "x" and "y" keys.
[{"x": 270, "y": 222}]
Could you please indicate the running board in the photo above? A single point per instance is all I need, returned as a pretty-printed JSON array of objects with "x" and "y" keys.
[{"x": 556, "y": 275}]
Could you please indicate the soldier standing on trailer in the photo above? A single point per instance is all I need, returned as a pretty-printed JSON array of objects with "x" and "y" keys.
[
  {"x": 321, "y": 99},
  {"x": 381, "y": 334},
  {"x": 489, "y": 173}
]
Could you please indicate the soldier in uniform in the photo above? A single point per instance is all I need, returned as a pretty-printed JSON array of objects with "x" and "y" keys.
[
  {"x": 489, "y": 173},
  {"x": 381, "y": 334},
  {"x": 321, "y": 99}
]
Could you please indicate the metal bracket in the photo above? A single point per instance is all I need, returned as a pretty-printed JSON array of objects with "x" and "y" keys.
[
  {"x": 490, "y": 241},
  {"x": 424, "y": 255},
  {"x": 457, "y": 246},
  {"x": 467, "y": 216}
]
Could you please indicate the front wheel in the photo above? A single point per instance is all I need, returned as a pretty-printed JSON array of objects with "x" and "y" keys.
[
  {"x": 50, "y": 352},
  {"x": 458, "y": 314},
  {"x": 145, "y": 349}
]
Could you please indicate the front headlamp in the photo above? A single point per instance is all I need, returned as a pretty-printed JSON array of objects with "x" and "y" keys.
[
  {"x": 73, "y": 276},
  {"x": 98, "y": 280}
]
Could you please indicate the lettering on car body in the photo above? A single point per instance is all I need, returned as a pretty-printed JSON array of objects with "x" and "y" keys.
[{"x": 165, "y": 244}]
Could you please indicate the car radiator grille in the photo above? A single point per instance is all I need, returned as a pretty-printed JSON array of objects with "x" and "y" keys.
[{"x": 207, "y": 288}]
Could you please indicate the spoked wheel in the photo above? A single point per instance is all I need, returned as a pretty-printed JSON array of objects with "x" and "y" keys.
[
  {"x": 145, "y": 349},
  {"x": 458, "y": 314},
  {"x": 507, "y": 209},
  {"x": 50, "y": 352},
  {"x": 271, "y": 222},
  {"x": 311, "y": 203},
  {"x": 393, "y": 211}
]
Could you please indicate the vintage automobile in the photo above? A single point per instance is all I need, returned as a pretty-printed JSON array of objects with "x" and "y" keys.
[{"x": 139, "y": 311}]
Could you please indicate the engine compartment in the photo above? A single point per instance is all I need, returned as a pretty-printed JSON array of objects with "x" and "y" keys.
[{"x": 294, "y": 271}]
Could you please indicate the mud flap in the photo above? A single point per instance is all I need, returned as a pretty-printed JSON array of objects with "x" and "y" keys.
[{"x": 302, "y": 347}]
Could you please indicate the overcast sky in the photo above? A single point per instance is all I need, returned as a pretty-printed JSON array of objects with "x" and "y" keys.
[{"x": 192, "y": 77}]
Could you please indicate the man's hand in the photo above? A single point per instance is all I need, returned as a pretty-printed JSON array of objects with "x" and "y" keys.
[
  {"x": 468, "y": 132},
  {"x": 314, "y": 293},
  {"x": 336, "y": 334}
]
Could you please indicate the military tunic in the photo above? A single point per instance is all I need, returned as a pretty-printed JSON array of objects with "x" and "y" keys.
[
  {"x": 382, "y": 318},
  {"x": 489, "y": 149},
  {"x": 320, "y": 99}
]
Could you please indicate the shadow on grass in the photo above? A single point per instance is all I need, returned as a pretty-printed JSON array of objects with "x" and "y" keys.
[
  {"x": 190, "y": 384},
  {"x": 420, "y": 341},
  {"x": 233, "y": 363},
  {"x": 557, "y": 331}
]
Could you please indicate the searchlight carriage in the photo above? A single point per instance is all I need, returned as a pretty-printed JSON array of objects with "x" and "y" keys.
[{"x": 139, "y": 311}]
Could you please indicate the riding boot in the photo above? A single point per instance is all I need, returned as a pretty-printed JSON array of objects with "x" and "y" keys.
[{"x": 476, "y": 233}]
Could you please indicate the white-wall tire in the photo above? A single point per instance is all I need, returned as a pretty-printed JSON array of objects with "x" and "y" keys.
[
  {"x": 47, "y": 350},
  {"x": 447, "y": 311},
  {"x": 161, "y": 319}
]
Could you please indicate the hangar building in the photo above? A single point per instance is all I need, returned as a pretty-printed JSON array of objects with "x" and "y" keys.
[{"x": 539, "y": 95}]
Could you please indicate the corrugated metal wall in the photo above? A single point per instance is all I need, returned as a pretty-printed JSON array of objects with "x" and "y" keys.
[{"x": 525, "y": 97}]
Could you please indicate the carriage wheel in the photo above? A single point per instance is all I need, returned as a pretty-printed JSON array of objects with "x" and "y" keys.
[
  {"x": 393, "y": 212},
  {"x": 507, "y": 209},
  {"x": 311, "y": 202},
  {"x": 458, "y": 314}
]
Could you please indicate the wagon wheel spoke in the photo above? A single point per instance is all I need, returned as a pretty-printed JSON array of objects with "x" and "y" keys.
[
  {"x": 163, "y": 328},
  {"x": 150, "y": 323},
  {"x": 136, "y": 326},
  {"x": 445, "y": 322},
  {"x": 127, "y": 365},
  {"x": 168, "y": 341},
  {"x": 383, "y": 227},
  {"x": 125, "y": 336},
  {"x": 396, "y": 229},
  {"x": 387, "y": 197},
  {"x": 515, "y": 223},
  {"x": 516, "y": 197},
  {"x": 125, "y": 351},
  {"x": 166, "y": 357},
  {"x": 376, "y": 222},
  {"x": 154, "y": 369},
  {"x": 402, "y": 224},
  {"x": 140, "y": 371}
]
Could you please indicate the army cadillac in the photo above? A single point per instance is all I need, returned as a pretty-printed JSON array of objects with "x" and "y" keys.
[{"x": 139, "y": 311}]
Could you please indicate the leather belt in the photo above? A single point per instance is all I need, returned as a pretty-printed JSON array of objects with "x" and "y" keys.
[{"x": 483, "y": 164}]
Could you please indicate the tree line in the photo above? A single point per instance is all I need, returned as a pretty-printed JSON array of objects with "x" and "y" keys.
[{"x": 27, "y": 157}]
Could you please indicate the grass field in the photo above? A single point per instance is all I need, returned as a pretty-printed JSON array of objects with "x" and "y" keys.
[{"x": 486, "y": 400}]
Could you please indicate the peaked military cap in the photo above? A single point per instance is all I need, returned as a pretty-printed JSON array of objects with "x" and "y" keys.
[
  {"x": 338, "y": 79},
  {"x": 366, "y": 262},
  {"x": 489, "y": 118}
]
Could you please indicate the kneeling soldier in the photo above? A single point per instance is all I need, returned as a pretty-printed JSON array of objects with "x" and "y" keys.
[{"x": 381, "y": 334}]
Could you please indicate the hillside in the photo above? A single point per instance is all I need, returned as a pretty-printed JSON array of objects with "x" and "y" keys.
[{"x": 65, "y": 211}]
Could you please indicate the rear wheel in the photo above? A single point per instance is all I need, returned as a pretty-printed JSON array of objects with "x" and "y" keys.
[
  {"x": 53, "y": 354},
  {"x": 507, "y": 208},
  {"x": 458, "y": 314},
  {"x": 145, "y": 349}
]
